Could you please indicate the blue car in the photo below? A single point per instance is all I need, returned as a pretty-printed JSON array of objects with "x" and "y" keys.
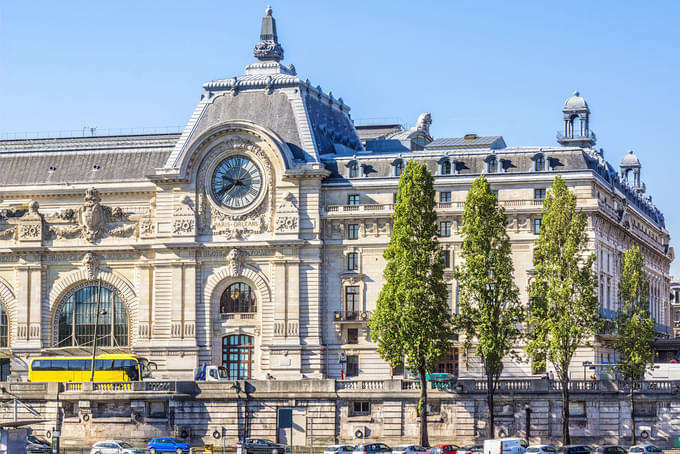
[{"x": 167, "y": 444}]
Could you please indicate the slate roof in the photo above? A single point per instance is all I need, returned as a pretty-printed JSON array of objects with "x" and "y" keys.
[
  {"x": 493, "y": 142},
  {"x": 371, "y": 132},
  {"x": 83, "y": 159}
]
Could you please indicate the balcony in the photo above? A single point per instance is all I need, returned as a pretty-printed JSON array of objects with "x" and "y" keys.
[
  {"x": 237, "y": 315},
  {"x": 456, "y": 206},
  {"x": 351, "y": 316}
]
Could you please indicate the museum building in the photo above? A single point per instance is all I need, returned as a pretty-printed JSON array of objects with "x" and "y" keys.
[{"x": 254, "y": 238}]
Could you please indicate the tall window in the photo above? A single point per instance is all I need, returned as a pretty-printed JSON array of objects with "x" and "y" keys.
[
  {"x": 352, "y": 336},
  {"x": 353, "y": 199},
  {"x": 492, "y": 165},
  {"x": 449, "y": 363},
  {"x": 398, "y": 168},
  {"x": 539, "y": 163},
  {"x": 445, "y": 196},
  {"x": 446, "y": 168},
  {"x": 353, "y": 261},
  {"x": 446, "y": 258},
  {"x": 353, "y": 232},
  {"x": 77, "y": 317},
  {"x": 238, "y": 297},
  {"x": 537, "y": 226},
  {"x": 445, "y": 228},
  {"x": 353, "y": 170},
  {"x": 237, "y": 356},
  {"x": 539, "y": 194},
  {"x": 352, "y": 304},
  {"x": 4, "y": 327},
  {"x": 352, "y": 365}
]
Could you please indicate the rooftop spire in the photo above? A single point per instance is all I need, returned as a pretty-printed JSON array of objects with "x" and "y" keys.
[{"x": 268, "y": 48}]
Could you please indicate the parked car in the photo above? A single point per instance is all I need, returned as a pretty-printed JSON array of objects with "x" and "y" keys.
[
  {"x": 471, "y": 449},
  {"x": 444, "y": 449},
  {"x": 260, "y": 446},
  {"x": 167, "y": 444},
  {"x": 575, "y": 449},
  {"x": 608, "y": 449},
  {"x": 409, "y": 449},
  {"x": 372, "y": 448},
  {"x": 114, "y": 447},
  {"x": 541, "y": 449},
  {"x": 37, "y": 446},
  {"x": 644, "y": 449},
  {"x": 338, "y": 449},
  {"x": 505, "y": 446}
]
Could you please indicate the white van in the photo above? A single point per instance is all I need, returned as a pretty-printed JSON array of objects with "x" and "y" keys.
[{"x": 505, "y": 446}]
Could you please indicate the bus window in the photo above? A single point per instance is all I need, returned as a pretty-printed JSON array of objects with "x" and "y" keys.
[
  {"x": 103, "y": 364},
  {"x": 59, "y": 364},
  {"x": 78, "y": 364}
]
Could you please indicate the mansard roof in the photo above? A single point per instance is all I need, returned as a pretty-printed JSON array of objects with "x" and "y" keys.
[
  {"x": 467, "y": 141},
  {"x": 83, "y": 159}
]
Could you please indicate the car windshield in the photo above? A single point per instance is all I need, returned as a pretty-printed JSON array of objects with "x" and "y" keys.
[
  {"x": 532, "y": 449},
  {"x": 124, "y": 444},
  {"x": 636, "y": 450}
]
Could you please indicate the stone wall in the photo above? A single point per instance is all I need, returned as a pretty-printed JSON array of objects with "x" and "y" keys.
[{"x": 329, "y": 411}]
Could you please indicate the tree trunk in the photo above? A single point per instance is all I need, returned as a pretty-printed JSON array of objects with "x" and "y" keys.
[
  {"x": 632, "y": 413},
  {"x": 422, "y": 404},
  {"x": 566, "y": 437},
  {"x": 490, "y": 424}
]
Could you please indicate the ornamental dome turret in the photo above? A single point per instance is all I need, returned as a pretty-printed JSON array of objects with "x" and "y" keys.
[
  {"x": 630, "y": 160},
  {"x": 576, "y": 103}
]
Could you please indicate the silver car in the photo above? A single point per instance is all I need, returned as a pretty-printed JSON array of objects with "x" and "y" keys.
[
  {"x": 114, "y": 447},
  {"x": 338, "y": 449},
  {"x": 644, "y": 449},
  {"x": 541, "y": 449}
]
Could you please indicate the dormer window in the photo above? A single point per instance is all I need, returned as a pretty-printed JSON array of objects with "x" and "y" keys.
[
  {"x": 446, "y": 168},
  {"x": 539, "y": 163},
  {"x": 398, "y": 168},
  {"x": 492, "y": 165},
  {"x": 353, "y": 170}
]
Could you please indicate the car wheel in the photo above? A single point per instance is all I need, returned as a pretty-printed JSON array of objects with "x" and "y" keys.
[
  {"x": 152, "y": 451},
  {"x": 179, "y": 451}
]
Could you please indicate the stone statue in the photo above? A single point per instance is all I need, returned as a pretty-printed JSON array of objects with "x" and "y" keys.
[
  {"x": 424, "y": 122},
  {"x": 234, "y": 262}
]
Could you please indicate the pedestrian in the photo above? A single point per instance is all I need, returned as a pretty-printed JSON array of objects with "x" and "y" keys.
[{"x": 551, "y": 376}]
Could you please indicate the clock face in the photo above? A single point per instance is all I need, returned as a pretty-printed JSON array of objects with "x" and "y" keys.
[{"x": 236, "y": 182}]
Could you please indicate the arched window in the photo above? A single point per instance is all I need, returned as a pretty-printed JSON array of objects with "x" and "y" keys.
[
  {"x": 237, "y": 356},
  {"x": 539, "y": 163},
  {"x": 4, "y": 327},
  {"x": 238, "y": 297},
  {"x": 398, "y": 168},
  {"x": 492, "y": 165},
  {"x": 77, "y": 317},
  {"x": 446, "y": 168}
]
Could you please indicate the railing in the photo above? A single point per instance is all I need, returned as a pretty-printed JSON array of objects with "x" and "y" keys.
[
  {"x": 112, "y": 386},
  {"x": 521, "y": 203},
  {"x": 90, "y": 132},
  {"x": 358, "y": 208},
  {"x": 371, "y": 385},
  {"x": 440, "y": 205},
  {"x": 70, "y": 386},
  {"x": 445, "y": 205},
  {"x": 577, "y": 135},
  {"x": 238, "y": 316},
  {"x": 410, "y": 385},
  {"x": 351, "y": 316},
  {"x": 159, "y": 386},
  {"x": 578, "y": 385}
]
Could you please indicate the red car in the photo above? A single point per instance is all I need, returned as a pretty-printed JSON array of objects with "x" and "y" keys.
[{"x": 444, "y": 449}]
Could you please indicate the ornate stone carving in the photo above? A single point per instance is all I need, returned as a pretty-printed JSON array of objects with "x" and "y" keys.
[
  {"x": 93, "y": 220},
  {"x": 8, "y": 234},
  {"x": 91, "y": 263},
  {"x": 235, "y": 262},
  {"x": 287, "y": 215},
  {"x": 146, "y": 225},
  {"x": 424, "y": 122},
  {"x": 184, "y": 218},
  {"x": 31, "y": 224}
]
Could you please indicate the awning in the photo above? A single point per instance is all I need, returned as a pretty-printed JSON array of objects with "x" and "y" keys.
[{"x": 22, "y": 423}]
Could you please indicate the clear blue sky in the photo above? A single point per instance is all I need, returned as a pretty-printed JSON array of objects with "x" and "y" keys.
[{"x": 489, "y": 67}]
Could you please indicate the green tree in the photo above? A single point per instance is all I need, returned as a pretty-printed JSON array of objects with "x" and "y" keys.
[
  {"x": 490, "y": 310},
  {"x": 412, "y": 319},
  {"x": 564, "y": 311},
  {"x": 634, "y": 326}
]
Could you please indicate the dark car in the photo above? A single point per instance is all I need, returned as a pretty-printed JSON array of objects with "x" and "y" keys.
[
  {"x": 167, "y": 444},
  {"x": 575, "y": 449},
  {"x": 260, "y": 446},
  {"x": 444, "y": 449},
  {"x": 609, "y": 449},
  {"x": 37, "y": 446},
  {"x": 472, "y": 449},
  {"x": 372, "y": 448}
]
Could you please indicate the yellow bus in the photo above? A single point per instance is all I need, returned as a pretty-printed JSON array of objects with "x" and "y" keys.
[{"x": 107, "y": 368}]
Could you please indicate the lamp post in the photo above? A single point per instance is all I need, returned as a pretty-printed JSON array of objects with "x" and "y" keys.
[{"x": 96, "y": 328}]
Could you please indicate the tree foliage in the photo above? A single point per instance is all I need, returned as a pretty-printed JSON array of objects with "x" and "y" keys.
[
  {"x": 634, "y": 326},
  {"x": 412, "y": 319},
  {"x": 489, "y": 309},
  {"x": 564, "y": 311}
]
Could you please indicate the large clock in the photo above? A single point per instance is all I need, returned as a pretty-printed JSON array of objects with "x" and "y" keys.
[{"x": 236, "y": 182}]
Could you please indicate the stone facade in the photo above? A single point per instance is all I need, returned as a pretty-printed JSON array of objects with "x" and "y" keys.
[{"x": 272, "y": 199}]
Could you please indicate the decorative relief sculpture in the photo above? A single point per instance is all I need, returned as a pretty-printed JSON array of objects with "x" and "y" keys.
[
  {"x": 91, "y": 263},
  {"x": 147, "y": 227},
  {"x": 287, "y": 215},
  {"x": 31, "y": 224},
  {"x": 424, "y": 122},
  {"x": 184, "y": 218},
  {"x": 8, "y": 233},
  {"x": 235, "y": 262},
  {"x": 92, "y": 220},
  {"x": 212, "y": 219}
]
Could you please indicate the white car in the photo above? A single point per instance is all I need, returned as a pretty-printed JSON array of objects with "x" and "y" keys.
[
  {"x": 644, "y": 449},
  {"x": 410, "y": 449},
  {"x": 541, "y": 449},
  {"x": 114, "y": 447},
  {"x": 338, "y": 449}
]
